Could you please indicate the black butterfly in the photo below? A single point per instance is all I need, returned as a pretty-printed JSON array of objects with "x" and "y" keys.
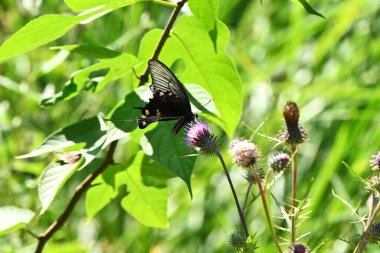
[{"x": 169, "y": 100}]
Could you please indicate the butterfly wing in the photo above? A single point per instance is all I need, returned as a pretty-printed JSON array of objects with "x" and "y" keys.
[{"x": 169, "y": 100}]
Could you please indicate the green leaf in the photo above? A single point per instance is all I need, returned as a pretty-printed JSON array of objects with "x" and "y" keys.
[
  {"x": 170, "y": 151},
  {"x": 47, "y": 28},
  {"x": 124, "y": 117},
  {"x": 146, "y": 203},
  {"x": 80, "y": 5},
  {"x": 88, "y": 132},
  {"x": 308, "y": 8},
  {"x": 89, "y": 51},
  {"x": 206, "y": 11},
  {"x": 52, "y": 180},
  {"x": 37, "y": 33},
  {"x": 13, "y": 218},
  {"x": 104, "y": 189},
  {"x": 94, "y": 77}
]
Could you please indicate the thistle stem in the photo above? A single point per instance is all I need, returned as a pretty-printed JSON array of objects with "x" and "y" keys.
[
  {"x": 360, "y": 246},
  {"x": 294, "y": 193},
  {"x": 246, "y": 197},
  {"x": 241, "y": 215},
  {"x": 266, "y": 209}
]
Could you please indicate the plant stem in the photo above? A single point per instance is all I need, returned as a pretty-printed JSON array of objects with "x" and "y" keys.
[
  {"x": 242, "y": 218},
  {"x": 266, "y": 209},
  {"x": 246, "y": 197},
  {"x": 360, "y": 246},
  {"x": 61, "y": 220},
  {"x": 164, "y": 37},
  {"x": 294, "y": 194}
]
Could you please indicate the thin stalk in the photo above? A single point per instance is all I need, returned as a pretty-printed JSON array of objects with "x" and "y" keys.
[
  {"x": 266, "y": 209},
  {"x": 360, "y": 246},
  {"x": 241, "y": 215},
  {"x": 294, "y": 193},
  {"x": 246, "y": 197}
]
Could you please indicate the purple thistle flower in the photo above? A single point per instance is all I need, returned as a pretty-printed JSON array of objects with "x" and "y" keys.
[
  {"x": 198, "y": 135},
  {"x": 299, "y": 248},
  {"x": 279, "y": 161},
  {"x": 375, "y": 161}
]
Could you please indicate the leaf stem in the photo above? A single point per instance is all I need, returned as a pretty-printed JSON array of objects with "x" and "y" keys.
[
  {"x": 242, "y": 218},
  {"x": 164, "y": 37},
  {"x": 61, "y": 220},
  {"x": 266, "y": 209}
]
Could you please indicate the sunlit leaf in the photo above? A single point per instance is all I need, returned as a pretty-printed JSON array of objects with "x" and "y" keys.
[
  {"x": 13, "y": 218},
  {"x": 87, "y": 132},
  {"x": 52, "y": 180},
  {"x": 308, "y": 8},
  {"x": 104, "y": 189},
  {"x": 148, "y": 204},
  {"x": 170, "y": 151},
  {"x": 80, "y": 5}
]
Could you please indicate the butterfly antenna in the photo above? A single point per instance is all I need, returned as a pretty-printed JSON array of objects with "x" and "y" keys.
[
  {"x": 208, "y": 102},
  {"x": 136, "y": 75}
]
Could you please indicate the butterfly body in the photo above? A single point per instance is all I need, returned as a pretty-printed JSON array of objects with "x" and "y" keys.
[{"x": 169, "y": 100}]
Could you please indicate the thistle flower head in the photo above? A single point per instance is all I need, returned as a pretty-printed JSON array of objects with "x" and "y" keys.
[
  {"x": 198, "y": 135},
  {"x": 279, "y": 161},
  {"x": 374, "y": 185},
  {"x": 298, "y": 248},
  {"x": 244, "y": 152},
  {"x": 373, "y": 235},
  {"x": 293, "y": 133},
  {"x": 375, "y": 161}
]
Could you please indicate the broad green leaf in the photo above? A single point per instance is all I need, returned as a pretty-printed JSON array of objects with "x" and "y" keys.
[
  {"x": 170, "y": 151},
  {"x": 205, "y": 10},
  {"x": 13, "y": 218},
  {"x": 147, "y": 204},
  {"x": 95, "y": 77},
  {"x": 308, "y": 8},
  {"x": 80, "y": 5},
  {"x": 37, "y": 33},
  {"x": 47, "y": 28},
  {"x": 211, "y": 69},
  {"x": 124, "y": 117},
  {"x": 88, "y": 132},
  {"x": 104, "y": 189},
  {"x": 52, "y": 180},
  {"x": 89, "y": 51}
]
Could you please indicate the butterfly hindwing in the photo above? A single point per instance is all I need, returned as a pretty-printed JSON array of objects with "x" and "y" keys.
[{"x": 169, "y": 100}]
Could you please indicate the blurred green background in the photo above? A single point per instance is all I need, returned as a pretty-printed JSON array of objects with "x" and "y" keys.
[{"x": 329, "y": 67}]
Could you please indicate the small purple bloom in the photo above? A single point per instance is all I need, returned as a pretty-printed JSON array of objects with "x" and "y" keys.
[
  {"x": 198, "y": 135},
  {"x": 375, "y": 161}
]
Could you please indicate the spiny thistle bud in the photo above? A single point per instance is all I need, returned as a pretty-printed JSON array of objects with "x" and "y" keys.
[
  {"x": 237, "y": 240},
  {"x": 293, "y": 133},
  {"x": 373, "y": 235},
  {"x": 250, "y": 177},
  {"x": 375, "y": 161},
  {"x": 298, "y": 248},
  {"x": 279, "y": 161},
  {"x": 198, "y": 135},
  {"x": 374, "y": 185},
  {"x": 244, "y": 152}
]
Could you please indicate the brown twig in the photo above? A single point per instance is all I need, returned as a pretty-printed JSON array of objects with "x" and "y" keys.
[
  {"x": 164, "y": 37},
  {"x": 58, "y": 223}
]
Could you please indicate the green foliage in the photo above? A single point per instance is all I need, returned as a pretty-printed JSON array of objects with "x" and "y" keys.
[
  {"x": 13, "y": 218},
  {"x": 247, "y": 57}
]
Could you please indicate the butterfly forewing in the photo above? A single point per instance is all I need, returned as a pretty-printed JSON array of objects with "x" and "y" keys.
[{"x": 169, "y": 100}]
